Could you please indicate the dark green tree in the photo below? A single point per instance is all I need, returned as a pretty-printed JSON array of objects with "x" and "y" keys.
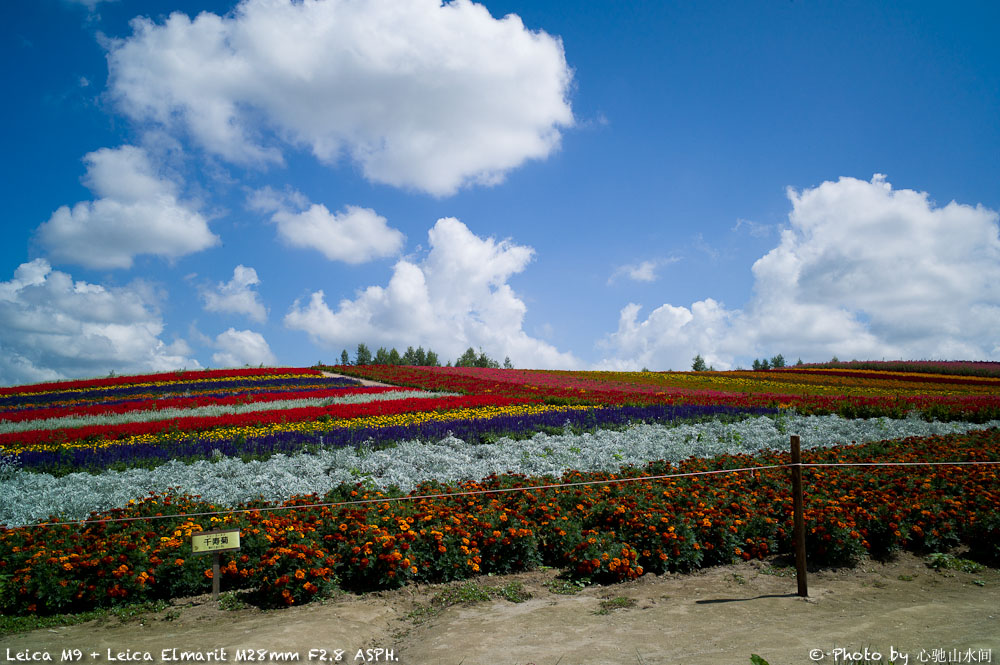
[
  {"x": 420, "y": 356},
  {"x": 467, "y": 359},
  {"x": 409, "y": 356},
  {"x": 432, "y": 359},
  {"x": 483, "y": 360},
  {"x": 698, "y": 364},
  {"x": 363, "y": 355},
  {"x": 344, "y": 358},
  {"x": 394, "y": 357},
  {"x": 756, "y": 364},
  {"x": 507, "y": 364},
  {"x": 778, "y": 361},
  {"x": 381, "y": 356}
]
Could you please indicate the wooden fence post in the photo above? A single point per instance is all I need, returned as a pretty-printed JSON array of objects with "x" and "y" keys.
[{"x": 799, "y": 532}]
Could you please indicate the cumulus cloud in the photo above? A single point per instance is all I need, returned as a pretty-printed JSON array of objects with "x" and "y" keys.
[
  {"x": 455, "y": 298},
  {"x": 52, "y": 327},
  {"x": 419, "y": 94},
  {"x": 237, "y": 295},
  {"x": 242, "y": 347},
  {"x": 137, "y": 212},
  {"x": 354, "y": 235},
  {"x": 863, "y": 271}
]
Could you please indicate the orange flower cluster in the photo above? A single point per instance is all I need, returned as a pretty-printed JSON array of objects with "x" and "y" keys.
[{"x": 602, "y": 531}]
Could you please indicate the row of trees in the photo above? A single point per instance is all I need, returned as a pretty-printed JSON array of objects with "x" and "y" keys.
[
  {"x": 419, "y": 357},
  {"x": 698, "y": 363}
]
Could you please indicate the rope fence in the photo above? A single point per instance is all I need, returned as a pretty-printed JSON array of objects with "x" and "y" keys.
[{"x": 499, "y": 490}]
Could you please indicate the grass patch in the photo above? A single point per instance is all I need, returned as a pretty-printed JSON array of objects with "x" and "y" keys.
[
  {"x": 22, "y": 624},
  {"x": 232, "y": 601},
  {"x": 778, "y": 570},
  {"x": 565, "y": 587},
  {"x": 616, "y": 603},
  {"x": 940, "y": 561},
  {"x": 469, "y": 593}
]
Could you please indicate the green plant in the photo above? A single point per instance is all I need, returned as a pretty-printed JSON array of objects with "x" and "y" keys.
[
  {"x": 616, "y": 603},
  {"x": 231, "y": 602},
  {"x": 757, "y": 660},
  {"x": 565, "y": 587},
  {"x": 467, "y": 593},
  {"x": 941, "y": 561},
  {"x": 778, "y": 570}
]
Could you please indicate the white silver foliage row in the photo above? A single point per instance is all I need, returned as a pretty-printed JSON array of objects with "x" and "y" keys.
[
  {"x": 26, "y": 497},
  {"x": 209, "y": 411}
]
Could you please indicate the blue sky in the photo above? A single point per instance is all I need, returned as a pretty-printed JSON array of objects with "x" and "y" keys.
[{"x": 609, "y": 185}]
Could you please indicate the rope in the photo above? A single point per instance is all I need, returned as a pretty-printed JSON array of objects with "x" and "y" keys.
[{"x": 502, "y": 490}]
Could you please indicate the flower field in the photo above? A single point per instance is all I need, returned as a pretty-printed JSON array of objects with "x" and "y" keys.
[{"x": 453, "y": 472}]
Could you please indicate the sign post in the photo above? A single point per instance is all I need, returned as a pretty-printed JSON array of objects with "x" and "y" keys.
[
  {"x": 798, "y": 518},
  {"x": 215, "y": 542}
]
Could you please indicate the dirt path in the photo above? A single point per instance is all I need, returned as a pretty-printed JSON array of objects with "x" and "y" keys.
[
  {"x": 718, "y": 616},
  {"x": 364, "y": 382}
]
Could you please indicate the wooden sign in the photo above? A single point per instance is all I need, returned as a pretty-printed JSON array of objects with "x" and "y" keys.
[
  {"x": 210, "y": 542},
  {"x": 213, "y": 542}
]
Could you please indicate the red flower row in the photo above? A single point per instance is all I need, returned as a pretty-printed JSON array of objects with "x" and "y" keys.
[
  {"x": 152, "y": 378},
  {"x": 155, "y": 404},
  {"x": 198, "y": 423},
  {"x": 907, "y": 377}
]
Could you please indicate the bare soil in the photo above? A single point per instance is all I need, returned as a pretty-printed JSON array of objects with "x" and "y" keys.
[
  {"x": 721, "y": 615},
  {"x": 364, "y": 382}
]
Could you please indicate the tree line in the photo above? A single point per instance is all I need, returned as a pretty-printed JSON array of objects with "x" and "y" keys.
[
  {"x": 419, "y": 357},
  {"x": 778, "y": 361}
]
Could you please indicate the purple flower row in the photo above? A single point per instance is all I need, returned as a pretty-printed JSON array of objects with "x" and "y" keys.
[
  {"x": 117, "y": 394},
  {"x": 475, "y": 431}
]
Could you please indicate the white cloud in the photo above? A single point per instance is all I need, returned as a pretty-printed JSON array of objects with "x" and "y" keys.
[
  {"x": 455, "y": 298},
  {"x": 419, "y": 94},
  {"x": 237, "y": 295},
  {"x": 242, "y": 347},
  {"x": 864, "y": 271},
  {"x": 137, "y": 213},
  {"x": 644, "y": 271},
  {"x": 52, "y": 327},
  {"x": 755, "y": 229},
  {"x": 354, "y": 235},
  {"x": 89, "y": 4}
]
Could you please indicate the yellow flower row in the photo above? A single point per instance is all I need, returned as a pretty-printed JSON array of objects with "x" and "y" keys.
[
  {"x": 888, "y": 384},
  {"x": 311, "y": 426}
]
